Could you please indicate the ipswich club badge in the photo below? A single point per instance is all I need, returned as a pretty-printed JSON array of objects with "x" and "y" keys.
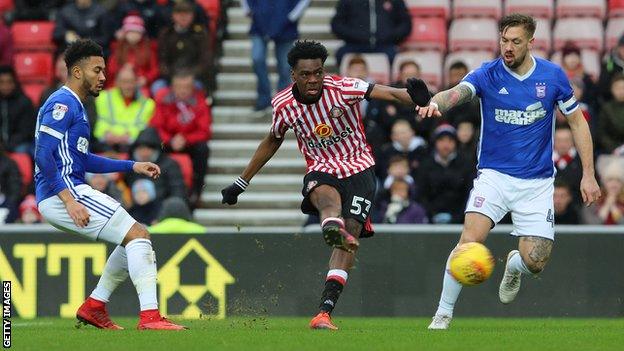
[{"x": 540, "y": 90}]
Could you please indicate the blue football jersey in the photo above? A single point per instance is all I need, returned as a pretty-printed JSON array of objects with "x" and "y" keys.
[
  {"x": 518, "y": 116},
  {"x": 63, "y": 117}
]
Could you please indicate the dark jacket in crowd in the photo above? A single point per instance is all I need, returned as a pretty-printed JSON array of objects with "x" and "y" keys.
[
  {"x": 570, "y": 216},
  {"x": 152, "y": 14},
  {"x": 352, "y": 22},
  {"x": 91, "y": 22},
  {"x": 276, "y": 19},
  {"x": 17, "y": 120},
  {"x": 185, "y": 50},
  {"x": 611, "y": 126},
  {"x": 10, "y": 186}
]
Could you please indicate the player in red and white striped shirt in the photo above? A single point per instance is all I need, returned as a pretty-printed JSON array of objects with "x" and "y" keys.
[{"x": 324, "y": 113}]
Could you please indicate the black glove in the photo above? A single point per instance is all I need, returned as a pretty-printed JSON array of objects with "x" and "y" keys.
[
  {"x": 230, "y": 193},
  {"x": 418, "y": 91}
]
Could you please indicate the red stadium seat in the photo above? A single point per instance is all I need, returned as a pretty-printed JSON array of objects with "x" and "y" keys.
[
  {"x": 543, "y": 35},
  {"x": 581, "y": 8},
  {"x": 472, "y": 59},
  {"x": 586, "y": 33},
  {"x": 615, "y": 29},
  {"x": 477, "y": 8},
  {"x": 430, "y": 63},
  {"x": 536, "y": 8},
  {"x": 24, "y": 163},
  {"x": 6, "y": 5},
  {"x": 186, "y": 166},
  {"x": 33, "y": 91},
  {"x": 616, "y": 8},
  {"x": 33, "y": 35},
  {"x": 427, "y": 33},
  {"x": 590, "y": 59},
  {"x": 378, "y": 66},
  {"x": 33, "y": 67},
  {"x": 427, "y": 8},
  {"x": 473, "y": 34}
]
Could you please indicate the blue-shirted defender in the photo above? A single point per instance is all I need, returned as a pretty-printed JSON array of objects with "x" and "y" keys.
[{"x": 518, "y": 95}]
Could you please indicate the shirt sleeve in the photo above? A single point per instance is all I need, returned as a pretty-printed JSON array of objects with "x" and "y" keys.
[
  {"x": 99, "y": 164},
  {"x": 279, "y": 125},
  {"x": 55, "y": 120},
  {"x": 474, "y": 80},
  {"x": 353, "y": 90},
  {"x": 565, "y": 94}
]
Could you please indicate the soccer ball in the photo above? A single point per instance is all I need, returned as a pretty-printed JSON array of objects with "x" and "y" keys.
[{"x": 471, "y": 263}]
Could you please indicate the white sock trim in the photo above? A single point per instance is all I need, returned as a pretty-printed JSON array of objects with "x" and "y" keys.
[
  {"x": 338, "y": 272},
  {"x": 516, "y": 264},
  {"x": 337, "y": 219}
]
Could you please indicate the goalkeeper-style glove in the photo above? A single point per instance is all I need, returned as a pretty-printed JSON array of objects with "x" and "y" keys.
[
  {"x": 418, "y": 91},
  {"x": 231, "y": 192}
]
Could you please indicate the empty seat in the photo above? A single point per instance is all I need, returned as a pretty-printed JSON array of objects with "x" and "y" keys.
[
  {"x": 473, "y": 34},
  {"x": 186, "y": 166},
  {"x": 33, "y": 67},
  {"x": 430, "y": 63},
  {"x": 590, "y": 59},
  {"x": 435, "y": 8},
  {"x": 378, "y": 66},
  {"x": 477, "y": 8},
  {"x": 578, "y": 8},
  {"x": 472, "y": 59},
  {"x": 586, "y": 33},
  {"x": 6, "y": 5},
  {"x": 616, "y": 8},
  {"x": 543, "y": 35},
  {"x": 535, "y": 8},
  {"x": 34, "y": 91},
  {"x": 33, "y": 35},
  {"x": 427, "y": 33},
  {"x": 615, "y": 29}
]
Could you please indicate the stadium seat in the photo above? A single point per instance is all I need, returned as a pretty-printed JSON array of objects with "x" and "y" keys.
[
  {"x": 472, "y": 59},
  {"x": 33, "y": 35},
  {"x": 33, "y": 67},
  {"x": 6, "y": 5},
  {"x": 25, "y": 166},
  {"x": 477, "y": 8},
  {"x": 473, "y": 34},
  {"x": 33, "y": 91},
  {"x": 543, "y": 35},
  {"x": 426, "y": 8},
  {"x": 615, "y": 29},
  {"x": 536, "y": 8},
  {"x": 616, "y": 8},
  {"x": 430, "y": 65},
  {"x": 427, "y": 33},
  {"x": 378, "y": 66},
  {"x": 590, "y": 59},
  {"x": 586, "y": 33},
  {"x": 212, "y": 8},
  {"x": 186, "y": 166},
  {"x": 580, "y": 8}
]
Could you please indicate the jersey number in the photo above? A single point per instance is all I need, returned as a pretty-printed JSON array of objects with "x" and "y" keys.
[{"x": 356, "y": 206}]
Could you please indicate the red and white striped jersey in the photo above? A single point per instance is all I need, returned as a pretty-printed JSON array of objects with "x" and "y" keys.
[{"x": 329, "y": 132}]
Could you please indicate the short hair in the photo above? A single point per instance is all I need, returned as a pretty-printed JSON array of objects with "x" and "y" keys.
[
  {"x": 182, "y": 73},
  {"x": 458, "y": 65},
  {"x": 306, "y": 49},
  {"x": 6, "y": 69},
  {"x": 398, "y": 159},
  {"x": 560, "y": 183},
  {"x": 563, "y": 127},
  {"x": 518, "y": 19},
  {"x": 357, "y": 60},
  {"x": 617, "y": 77},
  {"x": 80, "y": 50},
  {"x": 407, "y": 63}
]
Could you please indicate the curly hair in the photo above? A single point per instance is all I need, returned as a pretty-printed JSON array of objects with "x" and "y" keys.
[
  {"x": 306, "y": 49},
  {"x": 81, "y": 49}
]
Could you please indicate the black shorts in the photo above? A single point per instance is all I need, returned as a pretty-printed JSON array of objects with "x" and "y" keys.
[{"x": 356, "y": 192}]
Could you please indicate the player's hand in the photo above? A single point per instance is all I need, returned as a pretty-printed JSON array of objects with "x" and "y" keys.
[
  {"x": 430, "y": 110},
  {"x": 418, "y": 91},
  {"x": 78, "y": 213},
  {"x": 231, "y": 192},
  {"x": 147, "y": 168},
  {"x": 590, "y": 191}
]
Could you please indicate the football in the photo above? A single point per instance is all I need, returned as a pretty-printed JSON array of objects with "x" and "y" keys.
[{"x": 471, "y": 263}]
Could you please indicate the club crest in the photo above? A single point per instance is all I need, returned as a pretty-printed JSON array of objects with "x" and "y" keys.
[
  {"x": 540, "y": 90},
  {"x": 336, "y": 112}
]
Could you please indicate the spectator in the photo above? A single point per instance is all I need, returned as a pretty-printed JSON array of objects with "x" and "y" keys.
[
  {"x": 82, "y": 19},
  {"x": 470, "y": 111},
  {"x": 567, "y": 161},
  {"x": 610, "y": 208},
  {"x": 17, "y": 114},
  {"x": 400, "y": 208},
  {"x": 573, "y": 67},
  {"x": 175, "y": 218},
  {"x": 183, "y": 46},
  {"x": 36, "y": 10},
  {"x": 358, "y": 68},
  {"x": 277, "y": 21},
  {"x": 352, "y": 23},
  {"x": 398, "y": 169},
  {"x": 135, "y": 49},
  {"x": 112, "y": 185},
  {"x": 183, "y": 121},
  {"x": 123, "y": 112},
  {"x": 456, "y": 72},
  {"x": 10, "y": 187},
  {"x": 153, "y": 15},
  {"x": 29, "y": 212},
  {"x": 579, "y": 94},
  {"x": 566, "y": 211},
  {"x": 611, "y": 120},
  {"x": 6, "y": 45},
  {"x": 405, "y": 143},
  {"x": 467, "y": 141},
  {"x": 444, "y": 178},
  {"x": 612, "y": 65},
  {"x": 145, "y": 206},
  {"x": 147, "y": 147}
]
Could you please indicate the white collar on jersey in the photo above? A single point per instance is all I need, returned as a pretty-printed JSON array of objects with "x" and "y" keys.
[
  {"x": 516, "y": 75},
  {"x": 74, "y": 94}
]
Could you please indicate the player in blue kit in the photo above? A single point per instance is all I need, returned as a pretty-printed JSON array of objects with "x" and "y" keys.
[
  {"x": 67, "y": 202},
  {"x": 518, "y": 95}
]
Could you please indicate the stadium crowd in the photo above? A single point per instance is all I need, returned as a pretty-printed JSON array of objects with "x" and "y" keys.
[{"x": 157, "y": 107}]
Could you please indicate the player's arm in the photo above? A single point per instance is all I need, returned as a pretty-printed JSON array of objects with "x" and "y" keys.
[
  {"x": 416, "y": 93},
  {"x": 590, "y": 191},
  {"x": 267, "y": 148},
  {"x": 99, "y": 164},
  {"x": 445, "y": 100}
]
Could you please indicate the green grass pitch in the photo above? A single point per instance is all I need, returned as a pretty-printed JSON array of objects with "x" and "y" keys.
[{"x": 271, "y": 333}]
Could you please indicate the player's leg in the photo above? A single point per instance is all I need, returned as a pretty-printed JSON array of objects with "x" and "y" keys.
[{"x": 258, "y": 58}]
